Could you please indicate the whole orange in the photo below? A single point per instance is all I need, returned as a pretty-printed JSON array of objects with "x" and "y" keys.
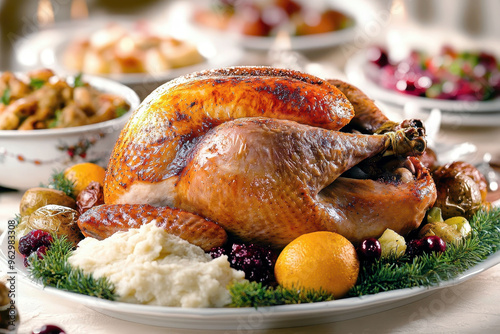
[
  {"x": 84, "y": 173},
  {"x": 319, "y": 260}
]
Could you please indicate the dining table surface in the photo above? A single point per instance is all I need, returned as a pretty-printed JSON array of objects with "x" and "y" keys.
[{"x": 472, "y": 306}]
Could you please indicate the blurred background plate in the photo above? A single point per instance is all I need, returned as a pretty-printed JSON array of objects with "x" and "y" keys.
[
  {"x": 454, "y": 113},
  {"x": 297, "y": 43},
  {"x": 46, "y": 48},
  {"x": 355, "y": 70}
]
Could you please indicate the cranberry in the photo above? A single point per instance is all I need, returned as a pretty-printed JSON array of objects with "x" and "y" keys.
[
  {"x": 26, "y": 262},
  {"x": 378, "y": 56},
  {"x": 49, "y": 329},
  {"x": 415, "y": 247},
  {"x": 41, "y": 251},
  {"x": 488, "y": 60},
  {"x": 34, "y": 239},
  {"x": 256, "y": 261},
  {"x": 433, "y": 243},
  {"x": 450, "y": 75},
  {"x": 369, "y": 249},
  {"x": 217, "y": 252}
]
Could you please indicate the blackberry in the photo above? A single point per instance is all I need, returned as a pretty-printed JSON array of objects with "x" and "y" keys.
[{"x": 415, "y": 248}]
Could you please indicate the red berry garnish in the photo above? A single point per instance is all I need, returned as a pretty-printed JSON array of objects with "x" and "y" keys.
[
  {"x": 378, "y": 56},
  {"x": 256, "y": 261},
  {"x": 415, "y": 247},
  {"x": 49, "y": 329},
  {"x": 433, "y": 243},
  {"x": 41, "y": 251},
  {"x": 369, "y": 249},
  {"x": 35, "y": 239},
  {"x": 217, "y": 252}
]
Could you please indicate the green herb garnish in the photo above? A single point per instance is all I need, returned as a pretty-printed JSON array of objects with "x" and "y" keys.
[
  {"x": 253, "y": 294},
  {"x": 383, "y": 275},
  {"x": 6, "y": 96},
  {"x": 431, "y": 269},
  {"x": 54, "y": 270},
  {"x": 56, "y": 120},
  {"x": 78, "y": 81},
  {"x": 392, "y": 274},
  {"x": 36, "y": 83},
  {"x": 59, "y": 182},
  {"x": 120, "y": 111}
]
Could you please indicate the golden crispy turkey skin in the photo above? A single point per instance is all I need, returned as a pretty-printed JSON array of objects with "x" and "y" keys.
[
  {"x": 269, "y": 181},
  {"x": 153, "y": 147},
  {"x": 259, "y": 152}
]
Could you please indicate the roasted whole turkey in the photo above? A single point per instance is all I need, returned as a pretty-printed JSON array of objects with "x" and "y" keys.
[{"x": 268, "y": 154}]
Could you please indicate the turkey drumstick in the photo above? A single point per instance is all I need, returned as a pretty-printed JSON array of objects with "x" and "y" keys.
[
  {"x": 264, "y": 180},
  {"x": 368, "y": 118}
]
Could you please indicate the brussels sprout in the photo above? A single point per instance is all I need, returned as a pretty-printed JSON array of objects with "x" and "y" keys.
[
  {"x": 58, "y": 219},
  {"x": 441, "y": 229},
  {"x": 392, "y": 244},
  {"x": 461, "y": 224},
  {"x": 452, "y": 230},
  {"x": 434, "y": 215}
]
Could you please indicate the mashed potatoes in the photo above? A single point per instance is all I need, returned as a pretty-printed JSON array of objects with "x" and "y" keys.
[{"x": 150, "y": 266}]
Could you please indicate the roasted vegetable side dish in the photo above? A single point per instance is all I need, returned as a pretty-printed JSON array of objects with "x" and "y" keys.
[
  {"x": 115, "y": 49},
  {"x": 266, "y": 18},
  {"x": 45, "y": 101}
]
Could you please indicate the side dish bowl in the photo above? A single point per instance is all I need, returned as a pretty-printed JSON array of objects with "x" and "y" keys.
[{"x": 28, "y": 158}]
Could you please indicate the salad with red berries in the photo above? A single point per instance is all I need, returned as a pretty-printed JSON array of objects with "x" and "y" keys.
[{"x": 449, "y": 75}]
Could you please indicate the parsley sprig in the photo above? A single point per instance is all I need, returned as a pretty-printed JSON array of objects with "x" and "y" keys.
[
  {"x": 5, "y": 99},
  {"x": 78, "y": 82},
  {"x": 36, "y": 83}
]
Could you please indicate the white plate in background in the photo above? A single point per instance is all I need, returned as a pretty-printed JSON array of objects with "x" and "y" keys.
[
  {"x": 361, "y": 12},
  {"x": 476, "y": 113},
  {"x": 46, "y": 48}
]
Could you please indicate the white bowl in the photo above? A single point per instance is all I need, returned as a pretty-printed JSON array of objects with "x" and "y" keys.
[{"x": 29, "y": 158}]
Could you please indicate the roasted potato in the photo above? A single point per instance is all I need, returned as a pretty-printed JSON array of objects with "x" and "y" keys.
[
  {"x": 460, "y": 167},
  {"x": 58, "y": 219},
  {"x": 35, "y": 198},
  {"x": 458, "y": 190},
  {"x": 21, "y": 230}
]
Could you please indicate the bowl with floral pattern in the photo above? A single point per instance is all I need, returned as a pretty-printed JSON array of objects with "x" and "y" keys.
[{"x": 29, "y": 158}]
